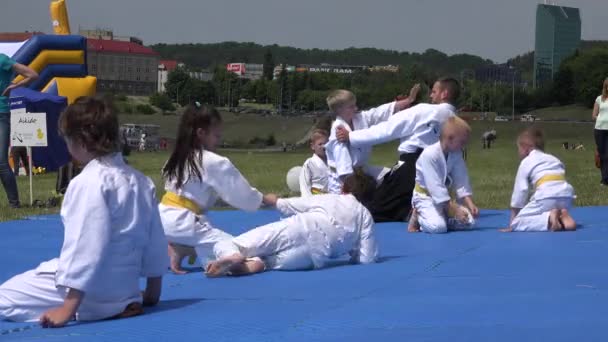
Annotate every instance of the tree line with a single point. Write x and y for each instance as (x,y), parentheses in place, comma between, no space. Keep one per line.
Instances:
(578,79)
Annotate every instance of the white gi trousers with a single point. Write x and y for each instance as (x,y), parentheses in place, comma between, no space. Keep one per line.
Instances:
(534,216)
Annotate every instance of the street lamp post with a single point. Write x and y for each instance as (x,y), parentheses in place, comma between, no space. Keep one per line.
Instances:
(513,95)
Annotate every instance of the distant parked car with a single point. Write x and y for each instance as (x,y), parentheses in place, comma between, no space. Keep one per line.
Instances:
(528,117)
(501,118)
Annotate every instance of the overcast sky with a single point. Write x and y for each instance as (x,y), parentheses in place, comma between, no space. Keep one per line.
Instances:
(495,29)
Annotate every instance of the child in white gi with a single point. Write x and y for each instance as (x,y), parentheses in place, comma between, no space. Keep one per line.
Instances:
(439,168)
(416,127)
(342,159)
(313,178)
(113,235)
(194,178)
(548,206)
(314,233)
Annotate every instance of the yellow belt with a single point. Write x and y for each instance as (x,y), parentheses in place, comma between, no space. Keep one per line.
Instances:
(451,206)
(317,191)
(549,178)
(172,199)
(419,189)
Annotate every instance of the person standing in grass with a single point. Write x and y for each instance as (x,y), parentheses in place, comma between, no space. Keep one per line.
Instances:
(600,115)
(9,67)
(195,176)
(548,207)
(113,234)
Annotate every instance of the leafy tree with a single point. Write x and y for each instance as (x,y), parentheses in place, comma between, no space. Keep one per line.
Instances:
(177,80)
(162,101)
(563,86)
(268,69)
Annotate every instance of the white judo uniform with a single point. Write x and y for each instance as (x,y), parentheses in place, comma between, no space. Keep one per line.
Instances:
(315,232)
(313,178)
(435,175)
(113,236)
(416,127)
(342,158)
(546,174)
(220,178)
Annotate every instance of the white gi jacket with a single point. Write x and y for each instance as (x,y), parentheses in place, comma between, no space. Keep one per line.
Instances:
(313,175)
(315,232)
(552,194)
(416,127)
(531,169)
(342,157)
(220,178)
(436,174)
(113,236)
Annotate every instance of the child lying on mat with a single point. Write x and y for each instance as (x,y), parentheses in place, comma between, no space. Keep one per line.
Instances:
(113,234)
(318,230)
(548,207)
(439,168)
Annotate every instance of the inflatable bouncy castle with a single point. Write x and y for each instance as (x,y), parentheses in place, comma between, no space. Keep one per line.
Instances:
(60,60)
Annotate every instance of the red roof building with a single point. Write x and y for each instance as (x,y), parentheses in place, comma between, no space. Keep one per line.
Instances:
(117,46)
(123,66)
(17,36)
(168,64)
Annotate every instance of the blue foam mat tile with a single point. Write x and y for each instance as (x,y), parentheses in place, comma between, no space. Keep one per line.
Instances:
(480,285)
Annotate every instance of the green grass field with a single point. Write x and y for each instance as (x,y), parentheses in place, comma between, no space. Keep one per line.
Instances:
(491,171)
(239,129)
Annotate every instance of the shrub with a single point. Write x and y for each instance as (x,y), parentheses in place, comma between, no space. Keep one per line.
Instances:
(145,109)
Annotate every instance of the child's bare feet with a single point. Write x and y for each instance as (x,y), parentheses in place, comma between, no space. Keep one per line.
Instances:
(567,221)
(413,225)
(554,224)
(505,230)
(177,253)
(221,267)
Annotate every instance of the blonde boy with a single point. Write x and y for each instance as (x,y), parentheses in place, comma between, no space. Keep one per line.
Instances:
(342,159)
(548,207)
(313,178)
(439,168)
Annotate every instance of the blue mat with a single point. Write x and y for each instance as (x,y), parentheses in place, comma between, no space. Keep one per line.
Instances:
(467,286)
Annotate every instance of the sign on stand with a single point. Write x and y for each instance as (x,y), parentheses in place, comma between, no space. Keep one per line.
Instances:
(27,129)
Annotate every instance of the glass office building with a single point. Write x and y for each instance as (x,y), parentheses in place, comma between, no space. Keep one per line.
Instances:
(558,34)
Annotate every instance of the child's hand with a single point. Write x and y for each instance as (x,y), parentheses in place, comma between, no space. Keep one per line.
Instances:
(461,215)
(151,295)
(506,230)
(270,199)
(473,209)
(342,134)
(56,318)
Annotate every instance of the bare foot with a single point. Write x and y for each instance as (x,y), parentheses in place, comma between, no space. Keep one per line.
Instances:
(413,225)
(221,267)
(505,230)
(250,266)
(177,253)
(567,221)
(554,224)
